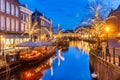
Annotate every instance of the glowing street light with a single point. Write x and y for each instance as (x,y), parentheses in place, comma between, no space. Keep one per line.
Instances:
(107,29)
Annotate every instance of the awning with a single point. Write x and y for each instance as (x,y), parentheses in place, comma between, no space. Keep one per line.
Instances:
(15,36)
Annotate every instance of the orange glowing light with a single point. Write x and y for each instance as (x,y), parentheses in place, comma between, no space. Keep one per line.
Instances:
(28,74)
(107,29)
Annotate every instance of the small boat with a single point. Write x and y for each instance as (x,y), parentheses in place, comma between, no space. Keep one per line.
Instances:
(63,42)
(37,55)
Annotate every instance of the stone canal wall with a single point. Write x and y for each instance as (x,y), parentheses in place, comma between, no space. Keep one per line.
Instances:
(104,69)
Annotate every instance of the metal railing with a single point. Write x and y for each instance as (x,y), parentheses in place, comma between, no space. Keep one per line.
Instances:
(113,55)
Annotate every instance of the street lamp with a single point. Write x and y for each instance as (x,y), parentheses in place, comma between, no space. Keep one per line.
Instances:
(107,49)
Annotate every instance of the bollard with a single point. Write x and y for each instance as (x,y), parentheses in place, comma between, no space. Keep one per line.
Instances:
(103,55)
(106,57)
(109,58)
(119,61)
(113,55)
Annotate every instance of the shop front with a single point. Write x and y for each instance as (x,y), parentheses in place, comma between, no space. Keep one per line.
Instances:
(9,42)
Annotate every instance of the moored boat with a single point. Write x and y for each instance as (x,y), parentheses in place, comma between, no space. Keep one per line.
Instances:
(36,55)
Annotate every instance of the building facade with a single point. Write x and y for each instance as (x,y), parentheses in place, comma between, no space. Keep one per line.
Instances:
(114,23)
(14,21)
(9,23)
(25,16)
(44,24)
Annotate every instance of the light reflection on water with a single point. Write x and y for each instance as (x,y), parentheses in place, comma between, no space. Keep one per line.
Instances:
(70,65)
(74,67)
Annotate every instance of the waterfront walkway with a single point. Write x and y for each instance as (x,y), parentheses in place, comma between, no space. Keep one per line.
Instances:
(114,52)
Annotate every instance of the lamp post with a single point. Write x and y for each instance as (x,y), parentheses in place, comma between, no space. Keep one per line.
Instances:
(107,46)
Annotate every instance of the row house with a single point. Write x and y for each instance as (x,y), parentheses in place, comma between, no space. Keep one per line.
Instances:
(14,20)
(44,24)
(9,23)
(114,23)
(25,17)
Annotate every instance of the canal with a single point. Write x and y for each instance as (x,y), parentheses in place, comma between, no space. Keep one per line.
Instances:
(70,64)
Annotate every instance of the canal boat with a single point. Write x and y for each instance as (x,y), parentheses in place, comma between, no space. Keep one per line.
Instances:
(63,43)
(36,55)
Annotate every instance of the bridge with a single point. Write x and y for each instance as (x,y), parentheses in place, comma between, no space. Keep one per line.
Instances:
(59,35)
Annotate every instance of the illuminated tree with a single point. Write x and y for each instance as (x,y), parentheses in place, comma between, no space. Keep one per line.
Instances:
(31,31)
(97,23)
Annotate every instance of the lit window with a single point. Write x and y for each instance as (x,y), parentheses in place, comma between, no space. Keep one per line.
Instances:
(12,9)
(13,25)
(17,12)
(8,7)
(17,25)
(22,27)
(22,16)
(2,22)
(8,24)
(2,5)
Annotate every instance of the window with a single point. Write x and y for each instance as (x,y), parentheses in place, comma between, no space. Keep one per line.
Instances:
(2,5)
(17,25)
(12,9)
(26,28)
(12,25)
(2,22)
(22,16)
(22,27)
(8,24)
(8,7)
(17,13)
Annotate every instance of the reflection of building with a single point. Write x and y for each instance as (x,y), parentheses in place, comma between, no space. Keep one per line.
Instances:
(43,22)
(25,16)
(114,23)
(9,23)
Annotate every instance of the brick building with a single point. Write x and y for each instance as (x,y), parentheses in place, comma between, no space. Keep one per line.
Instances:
(9,23)
(114,23)
(25,16)
(43,22)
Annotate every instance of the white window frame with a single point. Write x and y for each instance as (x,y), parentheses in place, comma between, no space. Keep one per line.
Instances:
(8,24)
(22,27)
(2,22)
(13,25)
(7,7)
(17,25)
(2,5)
(17,12)
(12,9)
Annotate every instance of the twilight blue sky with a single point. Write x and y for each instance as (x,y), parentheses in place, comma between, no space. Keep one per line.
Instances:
(68,13)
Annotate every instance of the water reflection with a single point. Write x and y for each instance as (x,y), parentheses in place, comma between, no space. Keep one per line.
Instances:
(69,65)
(81,45)
(74,67)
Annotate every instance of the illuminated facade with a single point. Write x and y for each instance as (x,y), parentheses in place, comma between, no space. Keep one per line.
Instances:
(43,22)
(114,23)
(12,24)
(25,16)
(9,23)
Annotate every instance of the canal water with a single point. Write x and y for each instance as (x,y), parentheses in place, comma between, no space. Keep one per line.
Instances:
(70,64)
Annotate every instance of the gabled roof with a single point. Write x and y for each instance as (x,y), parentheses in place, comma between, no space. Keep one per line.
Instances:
(17,1)
(37,13)
(113,11)
(118,8)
